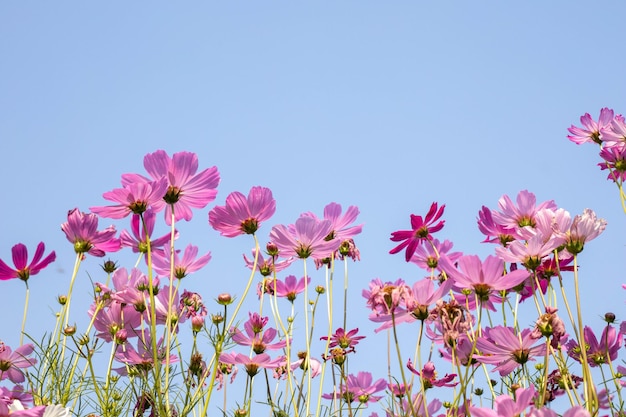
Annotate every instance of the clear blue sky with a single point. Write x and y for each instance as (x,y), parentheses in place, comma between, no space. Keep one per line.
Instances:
(384,105)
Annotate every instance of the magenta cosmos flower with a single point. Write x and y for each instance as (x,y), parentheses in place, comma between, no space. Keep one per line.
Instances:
(591,131)
(81,229)
(345,340)
(599,352)
(135,197)
(290,287)
(359,388)
(182,267)
(12,362)
(186,188)
(421,230)
(307,238)
(485,278)
(23,270)
(241,214)
(506,348)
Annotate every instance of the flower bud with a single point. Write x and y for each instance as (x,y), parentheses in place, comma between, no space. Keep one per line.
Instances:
(69,330)
(197,323)
(271,249)
(320,289)
(109,266)
(224,299)
(609,318)
(62,299)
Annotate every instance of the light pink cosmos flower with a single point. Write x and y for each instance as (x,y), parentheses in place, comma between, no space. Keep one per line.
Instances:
(241,214)
(427,256)
(385,297)
(591,131)
(253,364)
(506,348)
(306,238)
(416,304)
(316,366)
(260,342)
(142,358)
(135,197)
(141,231)
(186,188)
(507,406)
(81,230)
(23,270)
(114,318)
(13,361)
(530,253)
(421,230)
(522,213)
(267,266)
(485,278)
(576,411)
(341,228)
(182,267)
(583,228)
(359,388)
(290,287)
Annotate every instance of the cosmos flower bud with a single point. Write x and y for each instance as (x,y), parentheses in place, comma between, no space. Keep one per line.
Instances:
(224,299)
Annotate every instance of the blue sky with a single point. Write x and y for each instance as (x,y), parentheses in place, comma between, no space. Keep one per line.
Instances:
(387,106)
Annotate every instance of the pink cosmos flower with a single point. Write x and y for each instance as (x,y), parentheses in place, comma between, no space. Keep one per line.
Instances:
(485,278)
(20,260)
(416,304)
(615,161)
(599,352)
(267,266)
(341,228)
(307,238)
(141,231)
(290,287)
(616,133)
(259,339)
(504,347)
(81,230)
(345,340)
(316,366)
(135,197)
(182,267)
(576,411)
(10,406)
(12,362)
(515,216)
(427,256)
(186,189)
(429,376)
(591,131)
(383,298)
(507,406)
(142,359)
(530,253)
(253,364)
(114,318)
(420,407)
(583,228)
(359,388)
(243,215)
(494,232)
(421,230)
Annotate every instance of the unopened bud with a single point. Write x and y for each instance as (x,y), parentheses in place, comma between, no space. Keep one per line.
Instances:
(271,249)
(224,299)
(62,299)
(109,266)
(69,330)
(609,318)
(320,289)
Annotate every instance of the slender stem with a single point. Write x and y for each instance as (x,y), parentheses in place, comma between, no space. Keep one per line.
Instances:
(25,313)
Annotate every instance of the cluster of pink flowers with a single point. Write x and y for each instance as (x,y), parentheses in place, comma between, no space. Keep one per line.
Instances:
(141,314)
